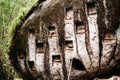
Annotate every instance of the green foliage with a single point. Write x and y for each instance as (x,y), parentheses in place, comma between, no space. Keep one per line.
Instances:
(11,13)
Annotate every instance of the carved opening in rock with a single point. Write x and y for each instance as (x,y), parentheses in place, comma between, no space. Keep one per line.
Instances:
(52,31)
(56,61)
(68,45)
(31,33)
(77,64)
(91,8)
(32,67)
(69,8)
(77,16)
(39,47)
(42,0)
(57,76)
(80,28)
(69,13)
(21,55)
(109,37)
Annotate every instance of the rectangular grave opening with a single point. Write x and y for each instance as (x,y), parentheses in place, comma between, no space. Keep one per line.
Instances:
(52,31)
(31,32)
(32,66)
(77,16)
(91,8)
(42,0)
(110,37)
(21,55)
(69,13)
(68,45)
(39,47)
(80,28)
(77,65)
(69,8)
(57,76)
(56,60)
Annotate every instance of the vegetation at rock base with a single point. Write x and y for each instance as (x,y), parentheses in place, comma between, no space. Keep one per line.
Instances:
(11,12)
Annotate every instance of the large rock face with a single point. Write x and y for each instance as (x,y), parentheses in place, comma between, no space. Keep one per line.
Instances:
(68,40)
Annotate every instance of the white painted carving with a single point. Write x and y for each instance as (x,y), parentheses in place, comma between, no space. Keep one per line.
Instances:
(39,62)
(55,64)
(31,44)
(94,38)
(82,50)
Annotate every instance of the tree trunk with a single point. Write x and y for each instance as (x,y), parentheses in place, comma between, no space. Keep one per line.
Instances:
(68,40)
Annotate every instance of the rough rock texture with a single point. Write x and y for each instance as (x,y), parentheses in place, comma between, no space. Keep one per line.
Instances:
(3,74)
(68,40)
